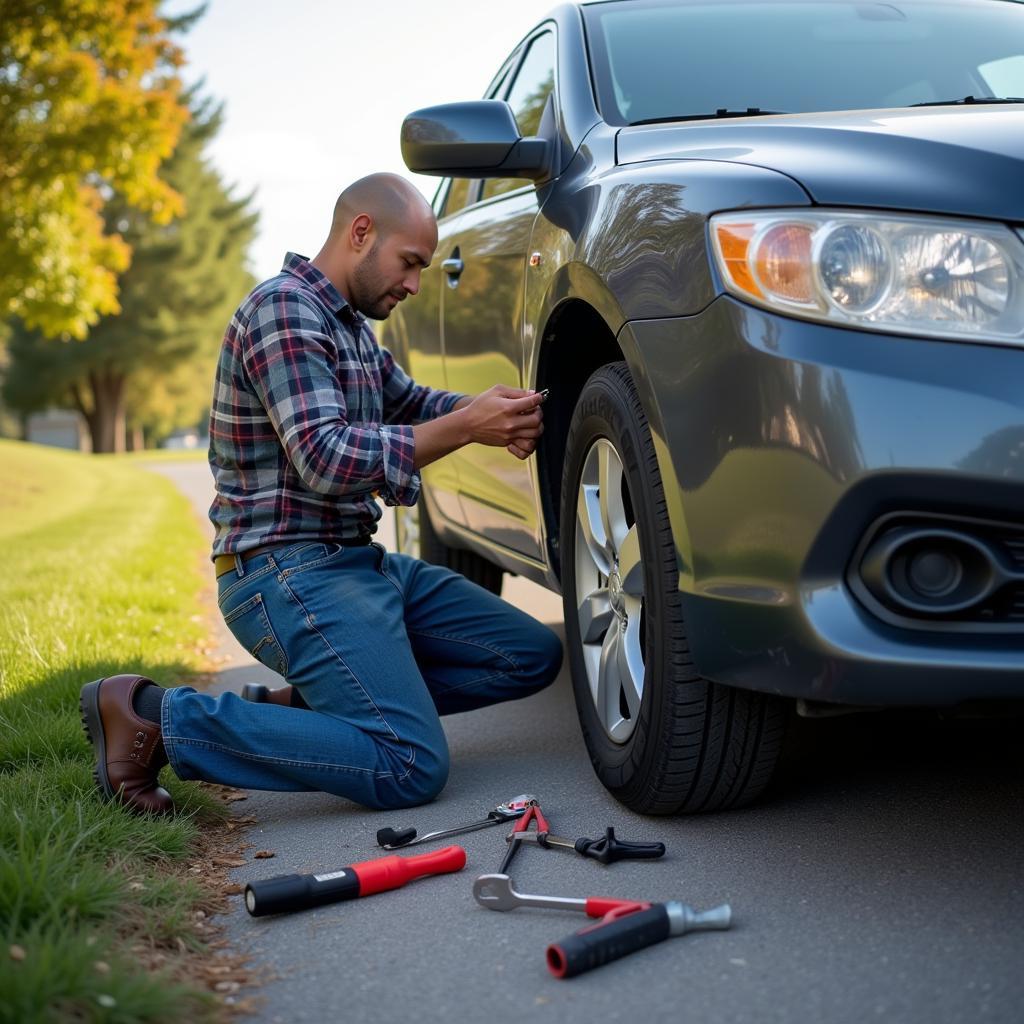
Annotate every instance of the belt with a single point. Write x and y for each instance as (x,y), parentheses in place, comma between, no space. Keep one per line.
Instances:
(226,563)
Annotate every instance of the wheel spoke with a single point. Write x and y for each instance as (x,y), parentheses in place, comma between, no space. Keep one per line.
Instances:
(609,484)
(631,666)
(591,528)
(631,570)
(595,613)
(608,682)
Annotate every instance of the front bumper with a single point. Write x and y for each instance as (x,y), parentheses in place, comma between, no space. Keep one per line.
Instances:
(780,443)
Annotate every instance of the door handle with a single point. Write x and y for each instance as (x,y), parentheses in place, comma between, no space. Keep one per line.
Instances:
(452,266)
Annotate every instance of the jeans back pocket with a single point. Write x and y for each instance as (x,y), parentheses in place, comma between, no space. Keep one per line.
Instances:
(250,626)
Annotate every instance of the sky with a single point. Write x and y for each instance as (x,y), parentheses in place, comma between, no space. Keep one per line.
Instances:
(315,91)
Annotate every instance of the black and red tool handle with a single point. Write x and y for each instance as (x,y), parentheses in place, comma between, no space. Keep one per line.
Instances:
(286,893)
(593,947)
(626,930)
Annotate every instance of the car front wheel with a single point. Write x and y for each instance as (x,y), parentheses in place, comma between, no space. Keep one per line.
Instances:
(661,738)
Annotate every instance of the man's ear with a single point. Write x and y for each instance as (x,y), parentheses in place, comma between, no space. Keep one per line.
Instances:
(361,231)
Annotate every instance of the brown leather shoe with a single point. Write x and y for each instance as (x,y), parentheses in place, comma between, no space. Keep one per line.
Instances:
(286,696)
(129,750)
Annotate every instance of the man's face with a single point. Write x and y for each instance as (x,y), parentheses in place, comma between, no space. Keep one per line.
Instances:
(390,271)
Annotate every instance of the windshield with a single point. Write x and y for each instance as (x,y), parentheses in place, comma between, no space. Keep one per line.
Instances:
(667,59)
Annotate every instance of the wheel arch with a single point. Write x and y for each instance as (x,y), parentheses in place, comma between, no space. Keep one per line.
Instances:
(580,336)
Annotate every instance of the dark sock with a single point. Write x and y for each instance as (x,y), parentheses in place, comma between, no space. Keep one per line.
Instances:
(148,701)
(297,701)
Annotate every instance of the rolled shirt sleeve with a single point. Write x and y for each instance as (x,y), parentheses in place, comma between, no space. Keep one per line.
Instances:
(289,358)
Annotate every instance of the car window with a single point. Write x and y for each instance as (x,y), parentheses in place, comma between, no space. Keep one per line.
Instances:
(458,195)
(662,59)
(533,84)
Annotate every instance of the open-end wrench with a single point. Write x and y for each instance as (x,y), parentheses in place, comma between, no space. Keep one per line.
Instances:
(395,839)
(495,892)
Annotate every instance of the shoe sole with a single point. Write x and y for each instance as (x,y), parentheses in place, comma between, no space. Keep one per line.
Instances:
(89,709)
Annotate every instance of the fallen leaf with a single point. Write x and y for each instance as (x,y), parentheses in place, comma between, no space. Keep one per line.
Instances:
(233,889)
(263,854)
(227,986)
(18,953)
(230,862)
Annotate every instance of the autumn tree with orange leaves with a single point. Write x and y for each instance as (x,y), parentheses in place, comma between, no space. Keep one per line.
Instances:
(90,105)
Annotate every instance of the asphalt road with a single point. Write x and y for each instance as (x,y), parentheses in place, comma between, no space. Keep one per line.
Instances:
(880,880)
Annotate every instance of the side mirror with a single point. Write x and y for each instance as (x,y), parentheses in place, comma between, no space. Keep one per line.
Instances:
(475,139)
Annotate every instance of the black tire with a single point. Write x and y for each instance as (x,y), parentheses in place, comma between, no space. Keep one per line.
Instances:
(415,535)
(695,745)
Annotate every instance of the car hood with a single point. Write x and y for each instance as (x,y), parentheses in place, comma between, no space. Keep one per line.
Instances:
(967,161)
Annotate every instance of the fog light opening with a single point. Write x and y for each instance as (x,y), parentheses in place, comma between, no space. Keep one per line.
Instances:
(934,573)
(929,572)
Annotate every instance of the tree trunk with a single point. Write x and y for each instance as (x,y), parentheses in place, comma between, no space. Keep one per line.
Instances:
(106,420)
(135,440)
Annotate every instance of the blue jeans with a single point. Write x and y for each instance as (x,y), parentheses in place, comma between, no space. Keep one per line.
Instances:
(379,645)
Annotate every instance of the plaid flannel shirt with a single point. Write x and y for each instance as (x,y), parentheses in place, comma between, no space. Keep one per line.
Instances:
(310,419)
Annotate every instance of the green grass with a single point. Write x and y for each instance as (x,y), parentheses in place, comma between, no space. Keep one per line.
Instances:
(101,575)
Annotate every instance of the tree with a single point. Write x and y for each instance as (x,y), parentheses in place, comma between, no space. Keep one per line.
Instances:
(90,105)
(154,361)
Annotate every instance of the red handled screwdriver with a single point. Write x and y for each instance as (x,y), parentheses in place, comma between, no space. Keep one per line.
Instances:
(299,892)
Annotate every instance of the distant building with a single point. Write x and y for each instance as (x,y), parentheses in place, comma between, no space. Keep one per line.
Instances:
(59,428)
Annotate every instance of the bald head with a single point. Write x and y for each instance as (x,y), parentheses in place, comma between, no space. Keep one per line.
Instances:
(383,234)
(387,199)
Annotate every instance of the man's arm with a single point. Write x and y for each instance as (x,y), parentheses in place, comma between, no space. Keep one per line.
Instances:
(500,416)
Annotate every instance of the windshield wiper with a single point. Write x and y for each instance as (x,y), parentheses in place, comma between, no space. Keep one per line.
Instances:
(970,100)
(721,112)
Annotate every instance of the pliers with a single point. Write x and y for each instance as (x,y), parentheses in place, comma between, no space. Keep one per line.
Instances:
(519,832)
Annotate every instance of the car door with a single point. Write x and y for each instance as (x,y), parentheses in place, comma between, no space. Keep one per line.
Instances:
(484,257)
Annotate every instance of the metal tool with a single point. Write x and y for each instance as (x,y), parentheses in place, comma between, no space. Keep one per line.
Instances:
(298,892)
(607,850)
(625,927)
(495,892)
(395,839)
(626,931)
(531,814)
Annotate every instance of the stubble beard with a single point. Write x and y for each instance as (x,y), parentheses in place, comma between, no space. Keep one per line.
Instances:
(369,296)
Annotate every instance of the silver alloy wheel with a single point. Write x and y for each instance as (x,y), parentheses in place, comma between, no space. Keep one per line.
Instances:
(610,592)
(407,530)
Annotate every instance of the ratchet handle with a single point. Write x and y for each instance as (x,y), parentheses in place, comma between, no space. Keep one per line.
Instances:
(609,849)
(599,945)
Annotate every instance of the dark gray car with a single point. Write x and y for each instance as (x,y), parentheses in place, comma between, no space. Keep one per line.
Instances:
(769,260)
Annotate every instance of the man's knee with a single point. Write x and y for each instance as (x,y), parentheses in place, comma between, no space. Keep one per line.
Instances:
(542,661)
(418,782)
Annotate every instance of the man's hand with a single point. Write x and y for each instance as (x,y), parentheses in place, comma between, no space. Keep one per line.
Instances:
(522,447)
(506,417)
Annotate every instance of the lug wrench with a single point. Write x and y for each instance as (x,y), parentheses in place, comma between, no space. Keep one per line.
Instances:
(396,839)
(626,926)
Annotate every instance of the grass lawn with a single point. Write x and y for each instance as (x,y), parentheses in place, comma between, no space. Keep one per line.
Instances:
(101,574)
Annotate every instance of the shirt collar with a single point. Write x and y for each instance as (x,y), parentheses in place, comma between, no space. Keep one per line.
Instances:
(300,267)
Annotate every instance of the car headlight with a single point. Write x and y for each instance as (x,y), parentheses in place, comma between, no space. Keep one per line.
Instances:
(929,276)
